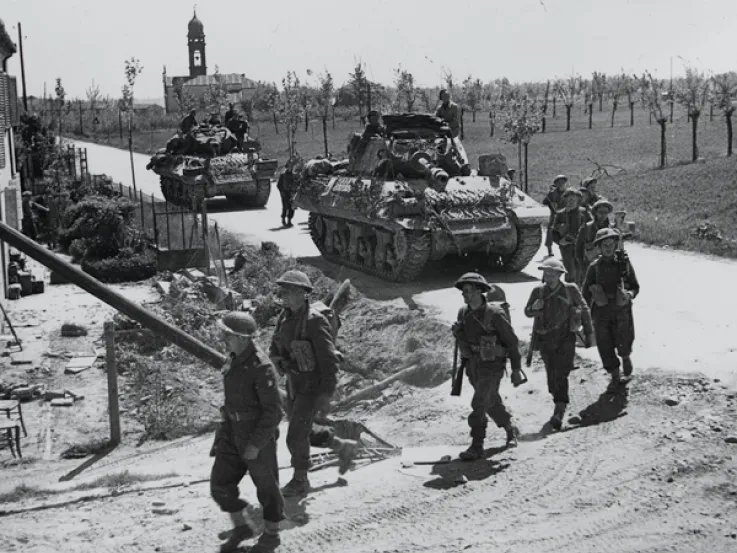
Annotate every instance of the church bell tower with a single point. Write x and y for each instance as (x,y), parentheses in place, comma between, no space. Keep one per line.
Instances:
(196,44)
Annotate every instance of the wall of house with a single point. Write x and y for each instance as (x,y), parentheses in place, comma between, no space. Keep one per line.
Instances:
(10,194)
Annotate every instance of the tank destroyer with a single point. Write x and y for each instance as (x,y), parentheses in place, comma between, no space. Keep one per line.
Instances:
(210,161)
(404,199)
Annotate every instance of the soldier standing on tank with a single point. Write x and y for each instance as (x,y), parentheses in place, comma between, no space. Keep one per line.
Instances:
(448,112)
(303,348)
(609,287)
(374,128)
(246,440)
(586,250)
(286,187)
(554,201)
(485,339)
(559,309)
(189,122)
(568,221)
(230,113)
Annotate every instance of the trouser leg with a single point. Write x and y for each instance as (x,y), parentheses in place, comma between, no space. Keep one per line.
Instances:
(568,257)
(227,472)
(558,359)
(300,427)
(264,472)
(605,338)
(624,331)
(486,400)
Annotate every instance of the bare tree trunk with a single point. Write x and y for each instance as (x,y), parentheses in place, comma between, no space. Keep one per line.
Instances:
(463,111)
(662,142)
(632,114)
(711,113)
(591,115)
(554,100)
(333,117)
(601,102)
(544,122)
(728,117)
(694,129)
(307,122)
(325,133)
(614,110)
(526,180)
(651,117)
(491,124)
(519,156)
(568,117)
(671,111)
(276,122)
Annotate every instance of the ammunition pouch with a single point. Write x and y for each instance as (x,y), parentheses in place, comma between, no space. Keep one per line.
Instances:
(623,298)
(598,294)
(303,355)
(490,349)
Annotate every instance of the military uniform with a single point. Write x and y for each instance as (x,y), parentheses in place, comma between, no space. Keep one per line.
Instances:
(566,225)
(563,311)
(286,187)
(252,413)
(188,123)
(485,375)
(450,114)
(611,309)
(553,199)
(306,387)
(373,129)
(586,251)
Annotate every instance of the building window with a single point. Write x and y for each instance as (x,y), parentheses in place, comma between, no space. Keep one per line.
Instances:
(197,58)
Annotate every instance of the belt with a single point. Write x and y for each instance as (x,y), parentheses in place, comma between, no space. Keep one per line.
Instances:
(240,416)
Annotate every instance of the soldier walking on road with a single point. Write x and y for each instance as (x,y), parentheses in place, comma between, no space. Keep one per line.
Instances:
(554,201)
(609,287)
(559,310)
(303,348)
(567,223)
(286,187)
(485,339)
(246,440)
(586,250)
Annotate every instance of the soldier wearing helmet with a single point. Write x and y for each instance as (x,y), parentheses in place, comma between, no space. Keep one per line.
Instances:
(586,251)
(303,348)
(554,201)
(568,221)
(485,339)
(589,184)
(246,439)
(373,128)
(609,287)
(287,187)
(559,310)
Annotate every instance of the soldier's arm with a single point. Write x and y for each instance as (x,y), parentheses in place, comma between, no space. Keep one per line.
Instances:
(508,339)
(630,280)
(460,334)
(557,220)
(588,280)
(535,295)
(588,327)
(267,391)
(320,335)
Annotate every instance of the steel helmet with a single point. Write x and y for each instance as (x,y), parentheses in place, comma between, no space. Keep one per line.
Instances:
(572,192)
(560,177)
(588,181)
(295,278)
(602,203)
(496,294)
(552,264)
(238,323)
(605,234)
(473,278)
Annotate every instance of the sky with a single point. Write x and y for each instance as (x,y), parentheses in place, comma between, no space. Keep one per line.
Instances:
(86,41)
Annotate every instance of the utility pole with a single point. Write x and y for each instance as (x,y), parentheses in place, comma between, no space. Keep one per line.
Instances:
(23,67)
(670,90)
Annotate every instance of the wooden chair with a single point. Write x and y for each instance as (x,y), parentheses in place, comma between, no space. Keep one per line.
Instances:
(10,431)
(9,405)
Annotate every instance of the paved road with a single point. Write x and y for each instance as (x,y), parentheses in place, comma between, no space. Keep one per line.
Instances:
(685,317)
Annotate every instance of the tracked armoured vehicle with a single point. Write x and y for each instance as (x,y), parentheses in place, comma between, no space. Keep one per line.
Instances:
(208,162)
(402,200)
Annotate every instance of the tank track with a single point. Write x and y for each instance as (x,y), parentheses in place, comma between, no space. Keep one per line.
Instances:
(263,191)
(418,249)
(529,240)
(170,189)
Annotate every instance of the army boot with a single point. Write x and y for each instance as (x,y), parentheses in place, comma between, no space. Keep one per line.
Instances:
(615,382)
(474,452)
(627,366)
(346,450)
(269,540)
(242,530)
(556,421)
(298,485)
(283,222)
(512,435)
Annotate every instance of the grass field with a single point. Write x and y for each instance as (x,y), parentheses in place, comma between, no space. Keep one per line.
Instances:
(667,205)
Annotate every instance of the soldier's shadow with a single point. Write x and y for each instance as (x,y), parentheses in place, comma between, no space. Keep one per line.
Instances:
(608,407)
(458,472)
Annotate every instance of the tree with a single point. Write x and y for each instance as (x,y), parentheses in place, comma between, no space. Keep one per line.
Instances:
(133,68)
(629,87)
(216,95)
(93,95)
(598,80)
(492,95)
(545,104)
(522,119)
(653,94)
(473,91)
(325,99)
(588,98)
(266,100)
(357,80)
(567,89)
(725,92)
(290,107)
(616,89)
(692,93)
(406,90)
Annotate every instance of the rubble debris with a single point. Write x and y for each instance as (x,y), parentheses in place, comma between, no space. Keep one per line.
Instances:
(671,402)
(73,330)
(731,440)
(78,364)
(62,402)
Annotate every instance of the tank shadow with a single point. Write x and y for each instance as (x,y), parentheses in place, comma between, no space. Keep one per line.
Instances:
(437,275)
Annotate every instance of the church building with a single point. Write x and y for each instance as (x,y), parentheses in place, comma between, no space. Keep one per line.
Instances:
(198,82)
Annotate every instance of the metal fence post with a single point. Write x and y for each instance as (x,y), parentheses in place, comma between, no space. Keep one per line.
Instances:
(156,230)
(112,383)
(140,200)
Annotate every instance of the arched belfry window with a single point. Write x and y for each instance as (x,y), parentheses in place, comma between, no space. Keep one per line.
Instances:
(197,57)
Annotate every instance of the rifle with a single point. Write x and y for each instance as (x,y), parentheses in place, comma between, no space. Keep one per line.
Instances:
(457,380)
(533,343)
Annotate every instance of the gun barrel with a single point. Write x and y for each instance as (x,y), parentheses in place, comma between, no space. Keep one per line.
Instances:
(422,163)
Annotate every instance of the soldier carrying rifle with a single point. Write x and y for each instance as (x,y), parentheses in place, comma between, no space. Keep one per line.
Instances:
(609,287)
(485,339)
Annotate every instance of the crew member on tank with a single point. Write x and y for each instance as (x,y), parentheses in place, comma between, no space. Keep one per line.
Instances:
(189,122)
(448,112)
(374,128)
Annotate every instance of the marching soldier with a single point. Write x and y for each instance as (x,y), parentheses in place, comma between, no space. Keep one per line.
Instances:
(586,250)
(559,310)
(303,348)
(609,287)
(485,339)
(246,440)
(554,202)
(586,202)
(286,187)
(590,185)
(567,223)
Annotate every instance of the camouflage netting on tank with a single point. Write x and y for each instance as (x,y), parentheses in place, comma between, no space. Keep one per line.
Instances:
(228,165)
(461,199)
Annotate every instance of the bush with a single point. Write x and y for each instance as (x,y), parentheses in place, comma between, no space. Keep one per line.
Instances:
(77,249)
(103,222)
(125,267)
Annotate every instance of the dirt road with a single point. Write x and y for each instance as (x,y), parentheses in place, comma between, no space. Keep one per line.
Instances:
(685,317)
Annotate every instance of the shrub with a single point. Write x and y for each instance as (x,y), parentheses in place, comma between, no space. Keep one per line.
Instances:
(77,249)
(103,222)
(125,267)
